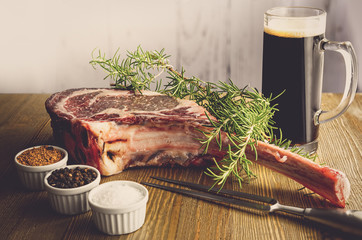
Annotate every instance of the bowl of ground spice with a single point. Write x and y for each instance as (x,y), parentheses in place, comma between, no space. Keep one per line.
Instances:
(34,163)
(68,188)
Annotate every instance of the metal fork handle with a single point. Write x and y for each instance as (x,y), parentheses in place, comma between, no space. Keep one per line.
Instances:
(349,221)
(288,209)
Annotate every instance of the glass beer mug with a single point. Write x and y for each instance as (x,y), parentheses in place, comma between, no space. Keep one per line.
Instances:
(293,59)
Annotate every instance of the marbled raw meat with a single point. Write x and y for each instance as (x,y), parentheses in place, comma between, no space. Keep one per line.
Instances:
(113,130)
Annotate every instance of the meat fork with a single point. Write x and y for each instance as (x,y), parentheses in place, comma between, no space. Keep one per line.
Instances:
(346,220)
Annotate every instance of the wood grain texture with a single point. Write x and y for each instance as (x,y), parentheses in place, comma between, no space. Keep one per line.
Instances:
(28,215)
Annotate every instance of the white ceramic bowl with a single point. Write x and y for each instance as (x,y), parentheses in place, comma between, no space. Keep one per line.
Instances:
(32,177)
(123,219)
(71,201)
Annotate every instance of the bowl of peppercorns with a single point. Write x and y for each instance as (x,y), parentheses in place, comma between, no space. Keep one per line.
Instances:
(34,163)
(68,188)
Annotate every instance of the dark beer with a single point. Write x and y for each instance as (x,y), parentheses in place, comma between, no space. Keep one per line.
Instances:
(294,64)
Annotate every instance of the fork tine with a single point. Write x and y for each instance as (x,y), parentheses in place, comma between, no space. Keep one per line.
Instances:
(218,190)
(212,197)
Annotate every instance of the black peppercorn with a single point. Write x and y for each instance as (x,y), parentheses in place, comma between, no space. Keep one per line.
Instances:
(71,178)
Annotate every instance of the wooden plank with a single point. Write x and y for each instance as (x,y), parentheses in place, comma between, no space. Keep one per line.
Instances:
(341,146)
(28,215)
(24,123)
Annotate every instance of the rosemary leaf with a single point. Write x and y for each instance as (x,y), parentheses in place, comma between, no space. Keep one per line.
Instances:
(245,116)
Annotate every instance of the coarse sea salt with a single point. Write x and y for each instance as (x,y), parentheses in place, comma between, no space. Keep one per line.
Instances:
(116,196)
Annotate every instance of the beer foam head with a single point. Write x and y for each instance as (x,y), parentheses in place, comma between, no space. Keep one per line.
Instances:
(295,22)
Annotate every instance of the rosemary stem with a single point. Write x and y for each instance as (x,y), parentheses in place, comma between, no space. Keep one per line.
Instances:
(245,116)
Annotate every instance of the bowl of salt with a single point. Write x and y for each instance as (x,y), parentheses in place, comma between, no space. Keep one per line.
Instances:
(118,207)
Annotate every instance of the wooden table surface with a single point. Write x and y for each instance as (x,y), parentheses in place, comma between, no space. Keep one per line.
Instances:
(28,215)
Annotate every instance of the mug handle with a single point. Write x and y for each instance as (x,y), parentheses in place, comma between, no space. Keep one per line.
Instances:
(350,59)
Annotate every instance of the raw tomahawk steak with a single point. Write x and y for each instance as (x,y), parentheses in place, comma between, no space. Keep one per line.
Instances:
(113,130)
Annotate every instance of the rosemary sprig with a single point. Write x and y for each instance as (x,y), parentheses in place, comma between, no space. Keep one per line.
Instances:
(244,115)
(134,72)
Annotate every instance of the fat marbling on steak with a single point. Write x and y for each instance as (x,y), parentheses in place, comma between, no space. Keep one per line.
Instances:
(115,129)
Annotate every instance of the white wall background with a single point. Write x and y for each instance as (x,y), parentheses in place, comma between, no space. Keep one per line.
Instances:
(45,45)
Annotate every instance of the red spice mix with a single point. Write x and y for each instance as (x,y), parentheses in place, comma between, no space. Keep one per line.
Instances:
(40,156)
